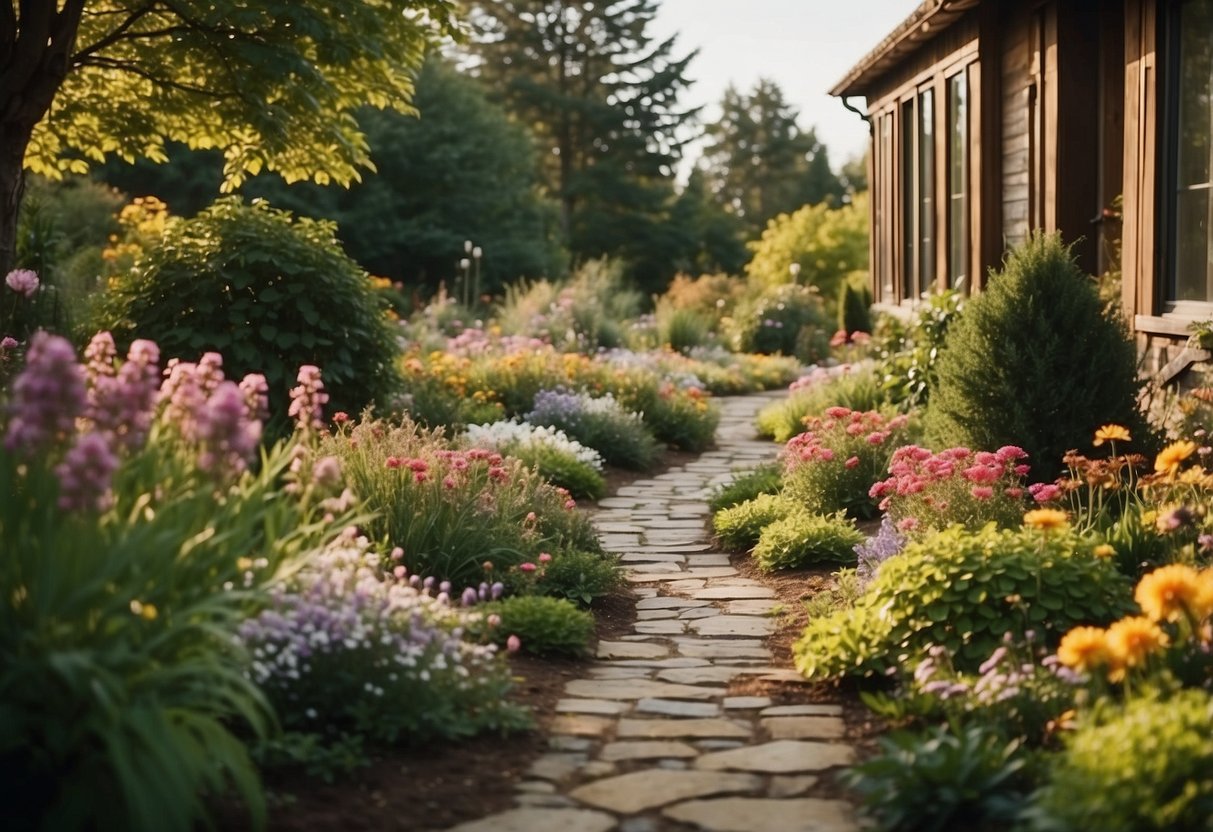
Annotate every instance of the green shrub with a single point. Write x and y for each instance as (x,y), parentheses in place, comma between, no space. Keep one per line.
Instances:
(803,539)
(764,479)
(854,303)
(581,576)
(561,468)
(813,394)
(834,463)
(966,779)
(788,319)
(1035,362)
(683,419)
(619,435)
(1146,766)
(908,354)
(544,625)
(966,591)
(682,329)
(738,527)
(267,292)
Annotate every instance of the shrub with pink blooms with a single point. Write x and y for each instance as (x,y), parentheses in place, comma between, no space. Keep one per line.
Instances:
(138,526)
(833,464)
(926,490)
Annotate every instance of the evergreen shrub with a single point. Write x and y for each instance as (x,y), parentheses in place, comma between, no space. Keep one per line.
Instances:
(1034,362)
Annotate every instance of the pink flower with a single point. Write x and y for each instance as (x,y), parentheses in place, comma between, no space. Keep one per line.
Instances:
(420,476)
(9,343)
(85,473)
(394,462)
(1043,492)
(981,474)
(544,557)
(527,567)
(907,524)
(982,492)
(1014,492)
(570,504)
(448,483)
(877,437)
(494,620)
(838,338)
(23,282)
(399,571)
(852,462)
(327,471)
(308,399)
(530,517)
(397,553)
(47,395)
(513,644)
(837,412)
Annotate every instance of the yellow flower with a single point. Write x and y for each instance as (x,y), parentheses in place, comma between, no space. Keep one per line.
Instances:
(1111,433)
(147,612)
(1167,592)
(1104,550)
(1169,459)
(1204,601)
(1131,641)
(1084,648)
(1046,518)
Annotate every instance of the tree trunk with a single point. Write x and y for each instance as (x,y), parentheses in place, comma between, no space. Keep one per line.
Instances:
(12,187)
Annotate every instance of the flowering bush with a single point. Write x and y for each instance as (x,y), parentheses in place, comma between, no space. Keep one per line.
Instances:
(812,394)
(833,464)
(451,510)
(788,319)
(930,491)
(349,655)
(541,625)
(601,423)
(136,532)
(509,436)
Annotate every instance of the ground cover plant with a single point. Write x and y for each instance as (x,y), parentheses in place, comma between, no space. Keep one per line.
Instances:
(561,461)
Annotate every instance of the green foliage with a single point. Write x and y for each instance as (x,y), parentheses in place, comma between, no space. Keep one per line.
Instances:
(824,246)
(760,163)
(546,626)
(581,577)
(682,419)
(965,591)
(708,294)
(561,468)
(854,306)
(908,354)
(739,526)
(1145,766)
(764,479)
(787,319)
(841,595)
(813,395)
(682,329)
(1019,366)
(268,293)
(137,79)
(804,539)
(970,778)
(451,511)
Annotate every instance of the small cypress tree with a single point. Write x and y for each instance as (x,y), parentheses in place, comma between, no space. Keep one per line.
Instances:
(854,307)
(1035,362)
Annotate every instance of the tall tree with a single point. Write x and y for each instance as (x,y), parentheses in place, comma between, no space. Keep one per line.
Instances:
(602,96)
(760,163)
(273,83)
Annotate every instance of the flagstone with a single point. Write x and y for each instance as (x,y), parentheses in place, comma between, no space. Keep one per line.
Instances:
(631,650)
(746,703)
(581,726)
(638,689)
(733,593)
(804,727)
(752,606)
(798,710)
(538,819)
(674,707)
(590,706)
(699,675)
(680,728)
(656,615)
(646,749)
(643,790)
(662,602)
(780,757)
(737,814)
(660,628)
(734,625)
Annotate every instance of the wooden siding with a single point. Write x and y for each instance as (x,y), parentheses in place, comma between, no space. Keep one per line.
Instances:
(1140,155)
(1018,99)
(926,60)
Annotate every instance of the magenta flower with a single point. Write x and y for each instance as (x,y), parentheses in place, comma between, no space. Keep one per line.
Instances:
(513,644)
(23,282)
(85,474)
(1043,492)
(308,399)
(47,395)
(527,567)
(9,343)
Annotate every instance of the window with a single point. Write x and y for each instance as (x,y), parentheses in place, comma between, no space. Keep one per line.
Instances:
(958,179)
(1190,152)
(918,194)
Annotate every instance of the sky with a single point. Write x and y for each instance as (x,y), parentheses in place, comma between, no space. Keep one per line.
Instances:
(805,46)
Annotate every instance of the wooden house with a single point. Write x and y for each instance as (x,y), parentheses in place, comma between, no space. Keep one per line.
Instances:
(1091,117)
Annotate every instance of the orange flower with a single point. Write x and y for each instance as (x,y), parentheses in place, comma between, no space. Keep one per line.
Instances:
(1166,593)
(1046,518)
(1169,459)
(1111,433)
(1084,648)
(1104,550)
(1131,641)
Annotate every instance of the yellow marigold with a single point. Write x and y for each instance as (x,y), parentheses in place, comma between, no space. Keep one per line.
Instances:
(1169,459)
(1104,550)
(1196,476)
(1111,433)
(1084,648)
(1046,518)
(1131,640)
(1204,600)
(1167,592)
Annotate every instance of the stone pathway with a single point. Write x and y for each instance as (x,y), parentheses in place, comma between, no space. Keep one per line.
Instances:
(651,741)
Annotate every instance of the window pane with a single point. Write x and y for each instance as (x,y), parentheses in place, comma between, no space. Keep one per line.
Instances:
(926,191)
(1192,146)
(909,234)
(958,165)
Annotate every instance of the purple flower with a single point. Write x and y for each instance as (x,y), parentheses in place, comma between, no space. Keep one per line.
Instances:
(23,282)
(46,396)
(327,471)
(308,399)
(228,438)
(874,551)
(256,396)
(121,404)
(84,474)
(9,343)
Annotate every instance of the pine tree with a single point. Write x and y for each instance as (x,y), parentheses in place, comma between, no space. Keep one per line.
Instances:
(760,163)
(602,97)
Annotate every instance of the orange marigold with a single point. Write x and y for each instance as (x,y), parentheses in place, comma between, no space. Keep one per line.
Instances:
(1084,648)
(1046,518)
(1132,640)
(1168,592)
(1171,457)
(1111,433)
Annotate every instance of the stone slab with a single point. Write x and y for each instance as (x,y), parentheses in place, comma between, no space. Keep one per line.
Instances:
(538,819)
(739,814)
(675,707)
(668,602)
(660,628)
(804,727)
(699,675)
(646,750)
(657,615)
(556,766)
(699,612)
(631,650)
(791,785)
(601,707)
(658,729)
(746,703)
(798,710)
(779,757)
(640,791)
(751,606)
(732,593)
(580,725)
(627,689)
(745,626)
